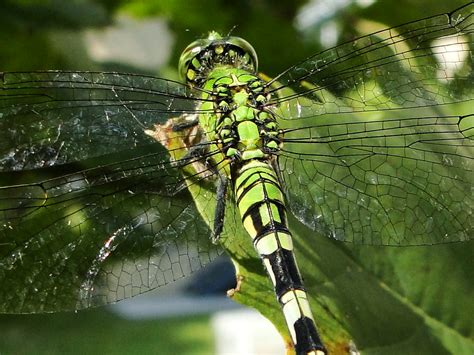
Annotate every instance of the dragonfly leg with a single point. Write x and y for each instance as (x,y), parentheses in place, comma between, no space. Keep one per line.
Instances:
(186,122)
(220,208)
(195,153)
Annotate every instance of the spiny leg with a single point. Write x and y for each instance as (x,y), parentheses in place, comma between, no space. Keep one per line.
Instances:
(194,153)
(201,150)
(220,208)
(185,122)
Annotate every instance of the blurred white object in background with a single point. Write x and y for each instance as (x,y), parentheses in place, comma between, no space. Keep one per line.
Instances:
(141,43)
(245,332)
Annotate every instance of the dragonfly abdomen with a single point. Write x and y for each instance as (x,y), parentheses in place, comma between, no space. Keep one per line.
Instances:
(262,209)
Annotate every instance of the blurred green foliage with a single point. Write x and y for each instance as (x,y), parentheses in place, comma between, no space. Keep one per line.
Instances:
(26,27)
(100,332)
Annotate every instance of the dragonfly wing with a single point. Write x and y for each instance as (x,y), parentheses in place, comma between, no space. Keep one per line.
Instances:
(398,67)
(55,117)
(379,135)
(90,221)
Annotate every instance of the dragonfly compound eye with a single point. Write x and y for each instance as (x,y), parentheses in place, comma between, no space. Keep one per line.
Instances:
(206,54)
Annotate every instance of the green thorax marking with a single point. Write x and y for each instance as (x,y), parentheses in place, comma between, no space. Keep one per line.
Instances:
(234,115)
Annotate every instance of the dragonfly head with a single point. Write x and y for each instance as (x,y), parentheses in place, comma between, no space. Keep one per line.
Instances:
(204,54)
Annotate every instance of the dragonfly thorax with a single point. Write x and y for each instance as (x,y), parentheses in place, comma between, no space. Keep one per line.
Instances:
(238,120)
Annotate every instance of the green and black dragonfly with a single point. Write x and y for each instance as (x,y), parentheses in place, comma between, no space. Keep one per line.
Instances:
(115,184)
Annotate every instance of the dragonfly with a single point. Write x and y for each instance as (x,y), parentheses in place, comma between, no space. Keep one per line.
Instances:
(114,184)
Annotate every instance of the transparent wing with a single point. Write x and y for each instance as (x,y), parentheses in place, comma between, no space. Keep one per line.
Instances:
(55,117)
(398,67)
(378,135)
(91,208)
